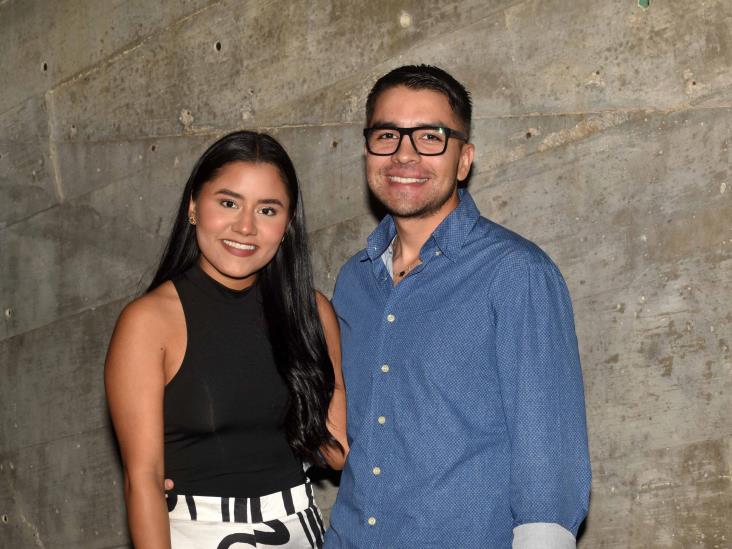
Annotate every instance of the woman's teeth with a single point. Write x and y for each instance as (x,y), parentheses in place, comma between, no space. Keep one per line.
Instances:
(239,246)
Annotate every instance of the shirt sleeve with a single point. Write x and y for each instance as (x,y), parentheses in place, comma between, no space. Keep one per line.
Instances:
(542,535)
(542,395)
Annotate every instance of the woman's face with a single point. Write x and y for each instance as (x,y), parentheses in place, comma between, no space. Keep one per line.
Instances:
(241,217)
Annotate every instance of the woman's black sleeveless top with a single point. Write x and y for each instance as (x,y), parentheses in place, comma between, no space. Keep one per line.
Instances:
(224,409)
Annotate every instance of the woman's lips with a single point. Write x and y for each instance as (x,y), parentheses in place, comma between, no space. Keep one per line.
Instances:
(239,248)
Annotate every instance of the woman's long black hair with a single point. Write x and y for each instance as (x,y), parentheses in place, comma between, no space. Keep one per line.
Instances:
(286,285)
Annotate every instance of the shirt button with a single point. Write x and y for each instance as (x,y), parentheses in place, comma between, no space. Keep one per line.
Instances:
(372,521)
(390,317)
(438,252)
(376,471)
(381,420)
(385,368)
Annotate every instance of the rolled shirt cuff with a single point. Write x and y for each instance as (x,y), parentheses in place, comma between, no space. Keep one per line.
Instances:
(542,535)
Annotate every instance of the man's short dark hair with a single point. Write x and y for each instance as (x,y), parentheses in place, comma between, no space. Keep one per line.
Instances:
(425,77)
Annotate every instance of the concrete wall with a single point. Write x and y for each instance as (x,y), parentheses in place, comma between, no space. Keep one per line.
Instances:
(603,133)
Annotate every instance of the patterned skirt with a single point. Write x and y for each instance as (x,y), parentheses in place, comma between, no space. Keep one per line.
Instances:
(288,519)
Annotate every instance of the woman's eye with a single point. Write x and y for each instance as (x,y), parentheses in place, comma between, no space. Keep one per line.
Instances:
(228,204)
(268,211)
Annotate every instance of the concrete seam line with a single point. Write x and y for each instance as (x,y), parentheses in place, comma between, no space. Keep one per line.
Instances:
(52,150)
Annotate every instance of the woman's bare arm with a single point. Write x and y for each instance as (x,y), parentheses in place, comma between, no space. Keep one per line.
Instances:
(334,456)
(134,378)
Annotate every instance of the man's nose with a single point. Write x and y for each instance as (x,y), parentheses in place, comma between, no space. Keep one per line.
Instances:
(405,152)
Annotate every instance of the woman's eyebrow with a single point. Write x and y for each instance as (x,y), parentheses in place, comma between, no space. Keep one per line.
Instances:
(275,201)
(227,192)
(233,194)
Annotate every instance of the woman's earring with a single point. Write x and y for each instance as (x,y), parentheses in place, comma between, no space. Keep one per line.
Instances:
(192,219)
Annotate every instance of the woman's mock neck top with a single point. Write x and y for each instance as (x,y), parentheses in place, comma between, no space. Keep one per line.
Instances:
(224,409)
(214,289)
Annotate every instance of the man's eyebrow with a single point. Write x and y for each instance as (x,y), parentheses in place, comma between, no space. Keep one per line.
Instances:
(389,124)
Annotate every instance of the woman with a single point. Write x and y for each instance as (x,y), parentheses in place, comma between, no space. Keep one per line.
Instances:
(225,375)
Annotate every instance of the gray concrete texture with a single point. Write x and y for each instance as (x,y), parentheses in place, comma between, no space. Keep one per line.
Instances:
(603,133)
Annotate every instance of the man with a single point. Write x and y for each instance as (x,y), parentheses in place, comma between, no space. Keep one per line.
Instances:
(466,418)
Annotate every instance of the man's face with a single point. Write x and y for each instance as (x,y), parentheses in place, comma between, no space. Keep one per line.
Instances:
(407,184)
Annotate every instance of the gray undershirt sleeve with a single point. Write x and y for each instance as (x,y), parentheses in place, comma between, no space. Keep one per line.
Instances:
(542,535)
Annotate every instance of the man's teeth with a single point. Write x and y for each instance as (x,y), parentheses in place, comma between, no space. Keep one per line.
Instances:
(395,179)
(238,245)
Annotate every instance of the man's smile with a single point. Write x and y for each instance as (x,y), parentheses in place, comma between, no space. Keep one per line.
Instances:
(406,180)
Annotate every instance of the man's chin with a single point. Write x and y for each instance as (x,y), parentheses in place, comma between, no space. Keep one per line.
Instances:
(412,210)
(402,205)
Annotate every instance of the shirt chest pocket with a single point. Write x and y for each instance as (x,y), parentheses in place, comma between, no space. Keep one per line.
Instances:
(454,334)
(453,352)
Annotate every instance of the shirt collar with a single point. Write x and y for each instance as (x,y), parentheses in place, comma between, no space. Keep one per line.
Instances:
(380,239)
(449,236)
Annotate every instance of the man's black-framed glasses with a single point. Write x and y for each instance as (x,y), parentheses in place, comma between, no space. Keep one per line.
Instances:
(426,140)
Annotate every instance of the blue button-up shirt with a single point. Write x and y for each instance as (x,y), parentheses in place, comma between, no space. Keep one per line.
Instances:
(465,400)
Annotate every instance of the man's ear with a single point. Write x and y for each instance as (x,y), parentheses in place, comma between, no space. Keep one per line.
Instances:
(466,160)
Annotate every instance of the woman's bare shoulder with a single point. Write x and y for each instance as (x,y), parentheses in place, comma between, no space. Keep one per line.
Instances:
(153,310)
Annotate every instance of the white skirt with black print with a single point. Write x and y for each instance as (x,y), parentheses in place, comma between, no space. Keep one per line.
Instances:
(288,519)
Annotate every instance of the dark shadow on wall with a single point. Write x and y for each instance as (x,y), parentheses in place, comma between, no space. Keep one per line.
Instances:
(583,526)
(110,429)
(581,530)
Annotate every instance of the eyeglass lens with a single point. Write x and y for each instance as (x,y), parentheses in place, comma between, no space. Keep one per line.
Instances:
(425,140)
